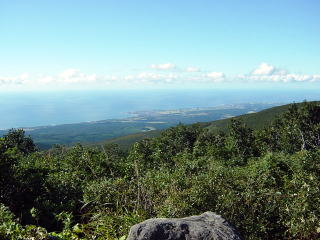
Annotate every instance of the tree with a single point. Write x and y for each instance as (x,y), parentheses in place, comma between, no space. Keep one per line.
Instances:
(295,130)
(242,139)
(16,138)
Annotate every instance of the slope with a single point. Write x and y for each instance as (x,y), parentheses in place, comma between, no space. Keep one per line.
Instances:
(256,121)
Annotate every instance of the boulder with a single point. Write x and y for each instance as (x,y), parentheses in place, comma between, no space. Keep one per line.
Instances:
(207,226)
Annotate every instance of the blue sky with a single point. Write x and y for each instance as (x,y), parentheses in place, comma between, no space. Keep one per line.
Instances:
(159,44)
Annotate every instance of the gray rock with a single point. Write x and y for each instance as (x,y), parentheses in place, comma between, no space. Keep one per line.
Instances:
(207,226)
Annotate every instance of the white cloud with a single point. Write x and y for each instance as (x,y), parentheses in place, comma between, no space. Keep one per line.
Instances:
(163,66)
(150,77)
(16,80)
(268,73)
(69,73)
(45,80)
(192,69)
(216,76)
(264,69)
(315,78)
(24,76)
(75,76)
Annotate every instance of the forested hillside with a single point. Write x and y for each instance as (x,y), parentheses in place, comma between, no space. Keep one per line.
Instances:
(265,181)
(256,121)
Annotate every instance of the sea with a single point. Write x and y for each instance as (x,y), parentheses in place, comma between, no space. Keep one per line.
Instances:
(44,108)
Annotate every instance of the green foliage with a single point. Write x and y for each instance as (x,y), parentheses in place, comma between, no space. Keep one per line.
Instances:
(297,129)
(265,181)
(16,138)
(7,221)
(257,121)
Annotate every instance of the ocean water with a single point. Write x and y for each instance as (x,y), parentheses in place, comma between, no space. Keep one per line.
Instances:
(30,109)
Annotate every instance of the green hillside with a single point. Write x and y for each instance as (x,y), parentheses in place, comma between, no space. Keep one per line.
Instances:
(256,121)
(125,142)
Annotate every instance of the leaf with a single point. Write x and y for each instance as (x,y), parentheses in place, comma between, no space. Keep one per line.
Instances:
(77,229)
(123,237)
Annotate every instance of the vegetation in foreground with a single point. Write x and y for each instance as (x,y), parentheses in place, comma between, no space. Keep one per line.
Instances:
(266,182)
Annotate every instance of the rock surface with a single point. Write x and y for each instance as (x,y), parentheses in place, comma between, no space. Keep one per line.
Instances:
(207,226)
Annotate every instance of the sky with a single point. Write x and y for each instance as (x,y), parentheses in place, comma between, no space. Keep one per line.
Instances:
(77,44)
